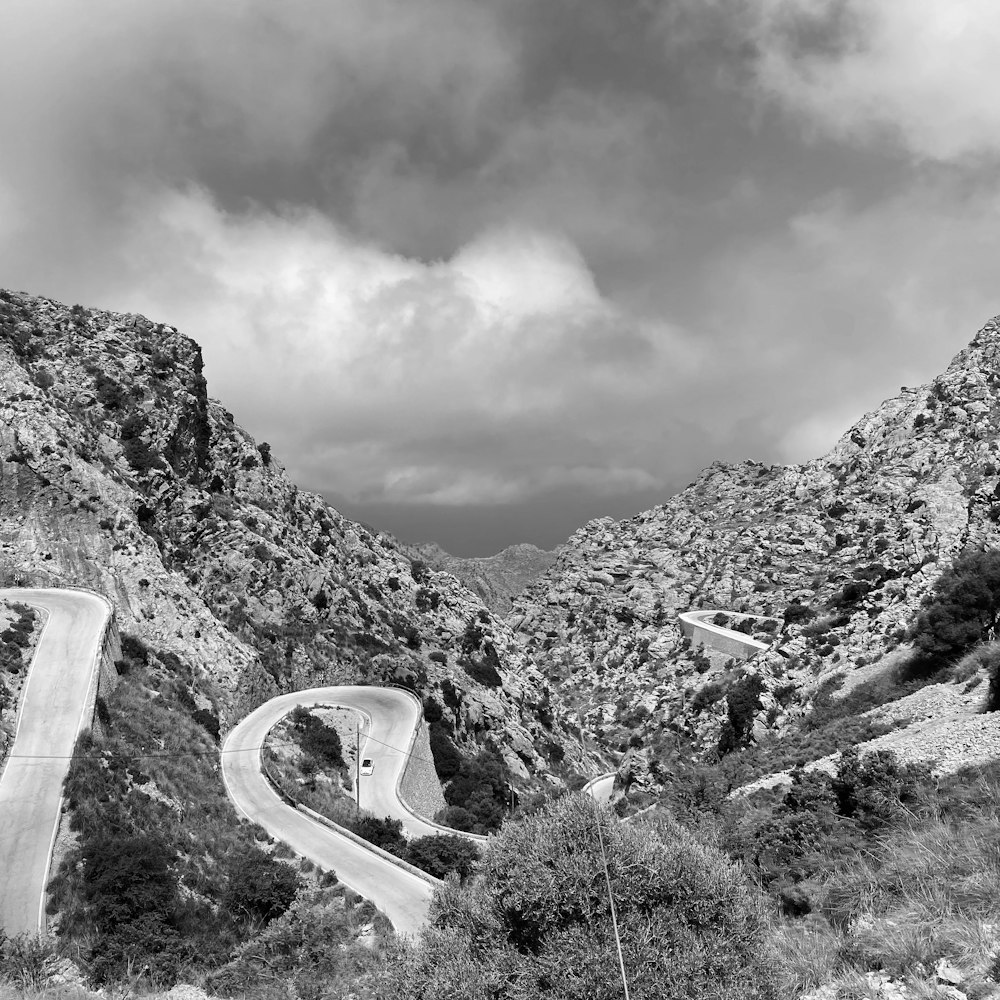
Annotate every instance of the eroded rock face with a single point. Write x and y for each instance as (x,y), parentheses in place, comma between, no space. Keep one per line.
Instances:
(858,535)
(119,473)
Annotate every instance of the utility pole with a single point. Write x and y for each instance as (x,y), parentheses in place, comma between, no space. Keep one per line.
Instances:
(357,768)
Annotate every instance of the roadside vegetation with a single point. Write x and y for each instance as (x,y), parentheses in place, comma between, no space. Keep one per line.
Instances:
(162,881)
(304,761)
(873,879)
(537,921)
(16,639)
(477,789)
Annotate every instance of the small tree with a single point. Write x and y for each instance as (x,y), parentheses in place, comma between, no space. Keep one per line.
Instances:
(258,887)
(442,854)
(962,609)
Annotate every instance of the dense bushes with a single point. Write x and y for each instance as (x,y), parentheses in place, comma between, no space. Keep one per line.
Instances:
(962,609)
(258,887)
(447,759)
(477,795)
(385,833)
(822,819)
(307,952)
(743,701)
(130,899)
(162,873)
(537,921)
(317,739)
(441,854)
(16,638)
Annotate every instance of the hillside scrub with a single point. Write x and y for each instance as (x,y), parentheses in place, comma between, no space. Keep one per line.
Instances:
(311,948)
(477,795)
(163,873)
(299,781)
(536,921)
(921,894)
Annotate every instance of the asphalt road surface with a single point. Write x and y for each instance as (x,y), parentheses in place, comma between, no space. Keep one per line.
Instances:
(601,787)
(392,715)
(51,717)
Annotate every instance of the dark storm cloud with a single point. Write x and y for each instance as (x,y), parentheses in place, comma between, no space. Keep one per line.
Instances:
(446,254)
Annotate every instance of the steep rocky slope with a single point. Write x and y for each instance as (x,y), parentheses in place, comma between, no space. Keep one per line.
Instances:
(119,473)
(856,537)
(497,579)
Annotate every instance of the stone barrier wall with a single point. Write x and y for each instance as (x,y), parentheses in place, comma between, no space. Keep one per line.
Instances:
(420,788)
(722,640)
(106,679)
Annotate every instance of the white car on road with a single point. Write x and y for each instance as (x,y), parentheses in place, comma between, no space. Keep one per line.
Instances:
(367,765)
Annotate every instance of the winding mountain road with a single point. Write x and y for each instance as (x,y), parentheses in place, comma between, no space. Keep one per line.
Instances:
(52,714)
(392,716)
(53,711)
(602,787)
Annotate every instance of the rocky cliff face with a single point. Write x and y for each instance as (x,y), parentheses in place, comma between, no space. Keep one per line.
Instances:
(119,473)
(857,536)
(496,579)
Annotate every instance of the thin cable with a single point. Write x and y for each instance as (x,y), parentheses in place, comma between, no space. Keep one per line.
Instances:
(187,753)
(614,912)
(135,756)
(607,877)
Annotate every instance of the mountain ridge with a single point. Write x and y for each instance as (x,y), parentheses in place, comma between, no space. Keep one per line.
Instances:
(119,472)
(858,536)
(498,578)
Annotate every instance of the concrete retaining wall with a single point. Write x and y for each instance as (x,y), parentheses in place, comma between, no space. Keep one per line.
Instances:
(703,633)
(420,788)
(106,674)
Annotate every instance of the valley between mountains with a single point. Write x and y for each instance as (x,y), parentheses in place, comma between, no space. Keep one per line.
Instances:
(729,655)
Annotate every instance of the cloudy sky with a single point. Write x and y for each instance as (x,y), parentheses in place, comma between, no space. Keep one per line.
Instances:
(480,270)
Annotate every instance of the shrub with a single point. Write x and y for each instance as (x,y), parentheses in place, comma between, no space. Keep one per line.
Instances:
(993,691)
(208,720)
(447,759)
(850,594)
(537,921)
(743,700)
(472,637)
(873,789)
(258,888)
(318,739)
(427,599)
(962,609)
(442,854)
(706,696)
(385,833)
(480,787)
(109,393)
(483,669)
(797,613)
